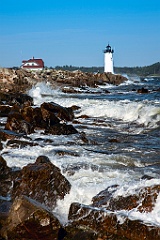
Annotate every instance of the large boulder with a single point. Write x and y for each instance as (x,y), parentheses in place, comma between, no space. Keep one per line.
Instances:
(61,112)
(61,129)
(104,218)
(41,181)
(143,199)
(29,220)
(105,223)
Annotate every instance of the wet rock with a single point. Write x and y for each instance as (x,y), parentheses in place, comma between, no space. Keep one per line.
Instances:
(74,233)
(11,98)
(61,112)
(5,206)
(5,178)
(70,90)
(29,220)
(16,143)
(41,181)
(113,140)
(65,152)
(22,98)
(142,90)
(17,123)
(144,199)
(38,120)
(105,222)
(7,134)
(49,116)
(61,129)
(1,145)
(4,110)
(27,114)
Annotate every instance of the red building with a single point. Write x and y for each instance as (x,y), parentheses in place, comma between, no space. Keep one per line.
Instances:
(33,64)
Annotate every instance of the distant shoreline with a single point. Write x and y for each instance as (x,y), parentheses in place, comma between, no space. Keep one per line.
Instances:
(145,71)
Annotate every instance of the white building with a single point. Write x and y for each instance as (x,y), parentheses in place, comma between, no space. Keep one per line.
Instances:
(108,59)
(33,64)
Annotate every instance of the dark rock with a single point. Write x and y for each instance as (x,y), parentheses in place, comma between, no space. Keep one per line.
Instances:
(146,177)
(65,152)
(144,200)
(142,90)
(74,233)
(27,114)
(15,143)
(4,110)
(7,134)
(83,116)
(61,112)
(70,90)
(41,181)
(105,222)
(5,178)
(4,212)
(16,122)
(1,145)
(61,129)
(38,120)
(12,98)
(113,140)
(49,116)
(22,98)
(29,220)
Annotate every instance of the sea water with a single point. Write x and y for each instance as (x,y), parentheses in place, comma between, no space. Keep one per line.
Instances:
(132,119)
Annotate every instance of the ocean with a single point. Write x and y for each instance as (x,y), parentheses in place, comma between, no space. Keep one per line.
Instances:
(122,131)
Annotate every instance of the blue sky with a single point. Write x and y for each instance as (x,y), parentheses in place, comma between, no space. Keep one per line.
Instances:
(75,32)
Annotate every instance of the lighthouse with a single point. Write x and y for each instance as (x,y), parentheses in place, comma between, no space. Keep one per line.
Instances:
(108,59)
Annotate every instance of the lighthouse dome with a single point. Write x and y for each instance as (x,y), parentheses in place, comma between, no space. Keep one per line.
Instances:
(108,49)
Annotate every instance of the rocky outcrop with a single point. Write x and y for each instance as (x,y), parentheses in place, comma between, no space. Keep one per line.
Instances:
(24,119)
(104,218)
(21,80)
(5,178)
(41,181)
(28,219)
(143,200)
(105,223)
(30,194)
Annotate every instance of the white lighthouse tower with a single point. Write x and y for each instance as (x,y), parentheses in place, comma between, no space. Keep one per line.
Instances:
(108,59)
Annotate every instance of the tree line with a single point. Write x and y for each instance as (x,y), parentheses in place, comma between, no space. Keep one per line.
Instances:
(152,70)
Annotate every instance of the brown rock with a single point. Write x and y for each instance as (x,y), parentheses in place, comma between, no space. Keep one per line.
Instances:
(142,90)
(41,181)
(29,220)
(49,116)
(61,112)
(4,110)
(5,178)
(16,143)
(61,129)
(144,200)
(16,122)
(105,222)
(38,120)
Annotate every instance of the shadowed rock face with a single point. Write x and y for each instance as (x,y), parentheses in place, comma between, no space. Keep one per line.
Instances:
(5,178)
(28,219)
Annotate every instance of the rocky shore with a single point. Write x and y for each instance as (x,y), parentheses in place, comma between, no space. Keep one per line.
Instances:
(29,195)
(15,80)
